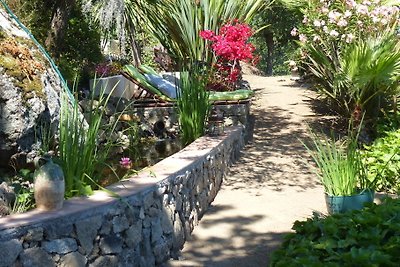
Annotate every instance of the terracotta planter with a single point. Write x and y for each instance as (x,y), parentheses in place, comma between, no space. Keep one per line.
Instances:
(340,204)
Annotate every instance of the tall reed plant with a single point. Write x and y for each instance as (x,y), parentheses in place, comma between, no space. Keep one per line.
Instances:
(193,103)
(80,152)
(340,165)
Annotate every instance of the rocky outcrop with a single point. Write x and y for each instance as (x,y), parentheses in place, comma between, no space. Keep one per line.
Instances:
(30,95)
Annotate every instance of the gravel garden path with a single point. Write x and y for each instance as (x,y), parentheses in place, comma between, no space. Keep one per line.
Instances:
(271,186)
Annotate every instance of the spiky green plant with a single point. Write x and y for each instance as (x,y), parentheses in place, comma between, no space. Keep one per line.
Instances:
(80,153)
(363,76)
(339,165)
(193,104)
(177,23)
(370,70)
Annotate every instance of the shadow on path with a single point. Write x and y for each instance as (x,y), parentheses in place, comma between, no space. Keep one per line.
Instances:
(267,189)
(245,247)
(275,156)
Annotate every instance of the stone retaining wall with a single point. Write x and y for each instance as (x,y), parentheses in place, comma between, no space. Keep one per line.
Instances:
(234,114)
(144,224)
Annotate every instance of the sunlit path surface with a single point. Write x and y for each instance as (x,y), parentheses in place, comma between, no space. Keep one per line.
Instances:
(270,187)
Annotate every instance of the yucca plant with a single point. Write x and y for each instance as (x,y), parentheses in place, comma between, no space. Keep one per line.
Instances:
(323,62)
(177,23)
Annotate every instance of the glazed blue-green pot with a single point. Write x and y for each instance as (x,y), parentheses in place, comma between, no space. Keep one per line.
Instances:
(340,204)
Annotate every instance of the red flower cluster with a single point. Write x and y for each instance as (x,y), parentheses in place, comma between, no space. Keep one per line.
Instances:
(231,43)
(230,46)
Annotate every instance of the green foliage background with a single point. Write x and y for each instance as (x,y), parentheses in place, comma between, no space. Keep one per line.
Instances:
(280,21)
(81,48)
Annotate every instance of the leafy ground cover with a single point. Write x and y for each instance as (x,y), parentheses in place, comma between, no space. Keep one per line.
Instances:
(369,237)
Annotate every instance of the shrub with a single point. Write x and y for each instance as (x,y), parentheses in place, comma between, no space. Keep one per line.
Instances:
(229,47)
(368,237)
(382,157)
(176,24)
(329,37)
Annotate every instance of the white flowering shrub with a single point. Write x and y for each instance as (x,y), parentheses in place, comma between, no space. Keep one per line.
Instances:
(329,30)
(345,21)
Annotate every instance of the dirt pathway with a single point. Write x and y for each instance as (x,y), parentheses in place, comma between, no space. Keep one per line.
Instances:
(269,188)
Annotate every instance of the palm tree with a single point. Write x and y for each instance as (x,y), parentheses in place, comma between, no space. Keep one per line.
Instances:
(370,70)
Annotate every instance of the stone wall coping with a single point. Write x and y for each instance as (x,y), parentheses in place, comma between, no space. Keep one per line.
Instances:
(142,183)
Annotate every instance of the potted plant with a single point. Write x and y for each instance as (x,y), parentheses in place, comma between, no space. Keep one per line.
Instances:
(342,173)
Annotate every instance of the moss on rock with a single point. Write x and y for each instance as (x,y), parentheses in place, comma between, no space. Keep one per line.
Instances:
(19,60)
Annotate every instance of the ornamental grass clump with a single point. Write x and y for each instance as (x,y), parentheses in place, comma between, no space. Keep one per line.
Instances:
(193,103)
(81,154)
(340,167)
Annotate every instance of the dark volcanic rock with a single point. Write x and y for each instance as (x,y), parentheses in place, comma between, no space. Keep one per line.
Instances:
(30,95)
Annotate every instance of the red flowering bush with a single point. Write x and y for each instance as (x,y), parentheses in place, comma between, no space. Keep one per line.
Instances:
(230,46)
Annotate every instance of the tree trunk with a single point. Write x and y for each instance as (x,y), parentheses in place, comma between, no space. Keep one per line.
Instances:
(269,39)
(59,23)
(136,53)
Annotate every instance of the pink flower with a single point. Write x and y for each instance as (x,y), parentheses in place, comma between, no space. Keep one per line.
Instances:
(333,33)
(342,23)
(302,38)
(230,45)
(375,19)
(351,3)
(324,10)
(334,16)
(316,38)
(362,9)
(207,35)
(349,38)
(294,32)
(125,162)
(317,23)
